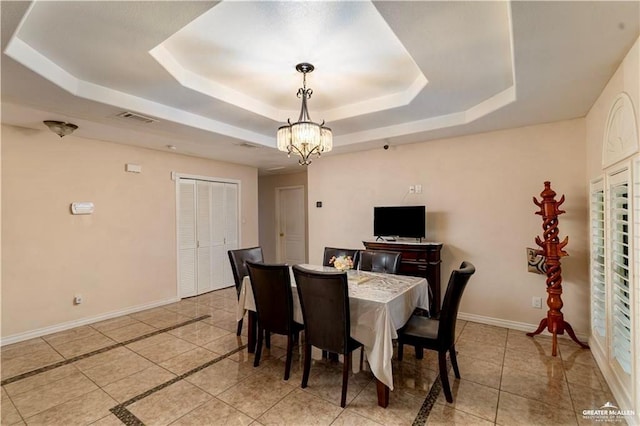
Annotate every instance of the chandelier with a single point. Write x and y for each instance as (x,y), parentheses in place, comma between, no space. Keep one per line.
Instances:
(304,137)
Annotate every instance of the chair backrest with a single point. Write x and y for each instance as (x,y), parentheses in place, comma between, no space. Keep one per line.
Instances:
(449,312)
(238,259)
(380,261)
(271,285)
(324,299)
(329,252)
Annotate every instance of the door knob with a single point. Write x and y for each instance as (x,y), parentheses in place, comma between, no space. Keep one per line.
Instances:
(282,234)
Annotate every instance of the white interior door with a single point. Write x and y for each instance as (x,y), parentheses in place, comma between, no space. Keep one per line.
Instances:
(208,226)
(187,238)
(203,232)
(291,225)
(219,258)
(232,222)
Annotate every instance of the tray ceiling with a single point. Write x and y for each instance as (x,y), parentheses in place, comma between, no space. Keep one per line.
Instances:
(217,76)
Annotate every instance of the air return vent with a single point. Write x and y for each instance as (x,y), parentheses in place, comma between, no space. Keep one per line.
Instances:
(136,117)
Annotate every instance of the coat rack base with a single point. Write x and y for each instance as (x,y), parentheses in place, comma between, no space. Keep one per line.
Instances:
(560,326)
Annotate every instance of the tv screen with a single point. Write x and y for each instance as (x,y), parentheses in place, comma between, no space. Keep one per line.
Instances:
(400,221)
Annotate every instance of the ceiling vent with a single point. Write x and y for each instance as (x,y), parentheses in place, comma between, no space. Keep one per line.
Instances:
(247,145)
(136,117)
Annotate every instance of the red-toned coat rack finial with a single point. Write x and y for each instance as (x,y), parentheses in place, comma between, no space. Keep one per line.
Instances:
(552,249)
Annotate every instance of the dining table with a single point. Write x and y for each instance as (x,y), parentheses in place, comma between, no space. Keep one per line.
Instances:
(379,304)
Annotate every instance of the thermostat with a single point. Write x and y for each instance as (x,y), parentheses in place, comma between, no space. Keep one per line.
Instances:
(83,207)
(133,168)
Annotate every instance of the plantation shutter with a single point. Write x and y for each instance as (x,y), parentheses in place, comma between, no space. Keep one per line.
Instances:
(620,269)
(598,284)
(636,245)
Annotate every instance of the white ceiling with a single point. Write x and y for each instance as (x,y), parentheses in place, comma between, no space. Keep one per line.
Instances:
(218,76)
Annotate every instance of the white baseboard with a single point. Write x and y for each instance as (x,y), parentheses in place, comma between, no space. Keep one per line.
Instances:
(514,325)
(82,321)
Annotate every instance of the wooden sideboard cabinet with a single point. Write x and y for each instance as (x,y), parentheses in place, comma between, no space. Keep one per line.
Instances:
(418,259)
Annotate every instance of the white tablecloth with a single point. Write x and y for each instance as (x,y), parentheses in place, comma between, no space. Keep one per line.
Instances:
(379,304)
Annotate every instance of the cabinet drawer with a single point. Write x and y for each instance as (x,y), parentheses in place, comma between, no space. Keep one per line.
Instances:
(413,256)
(414,270)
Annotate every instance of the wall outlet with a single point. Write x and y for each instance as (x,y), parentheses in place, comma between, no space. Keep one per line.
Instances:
(536,302)
(418,189)
(77,299)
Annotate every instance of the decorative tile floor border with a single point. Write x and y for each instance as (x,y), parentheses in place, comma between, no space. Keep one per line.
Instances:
(427,405)
(128,418)
(98,351)
(429,401)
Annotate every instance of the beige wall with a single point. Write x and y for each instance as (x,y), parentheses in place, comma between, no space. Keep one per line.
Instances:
(123,255)
(267,207)
(478,191)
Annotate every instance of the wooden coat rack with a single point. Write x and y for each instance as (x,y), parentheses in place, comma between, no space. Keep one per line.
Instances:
(552,249)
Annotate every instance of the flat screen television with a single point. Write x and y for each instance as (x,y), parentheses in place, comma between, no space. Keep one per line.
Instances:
(399,221)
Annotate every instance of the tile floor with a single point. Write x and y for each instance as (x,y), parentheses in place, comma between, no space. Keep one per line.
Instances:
(182,364)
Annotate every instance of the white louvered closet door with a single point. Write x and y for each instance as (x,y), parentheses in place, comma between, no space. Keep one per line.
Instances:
(225,231)
(219,256)
(187,238)
(231,228)
(203,228)
(208,227)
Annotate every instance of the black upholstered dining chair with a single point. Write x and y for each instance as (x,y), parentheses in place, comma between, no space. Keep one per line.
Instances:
(238,259)
(380,261)
(271,285)
(439,334)
(324,299)
(330,252)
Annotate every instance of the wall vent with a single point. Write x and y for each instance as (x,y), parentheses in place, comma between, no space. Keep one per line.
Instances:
(136,117)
